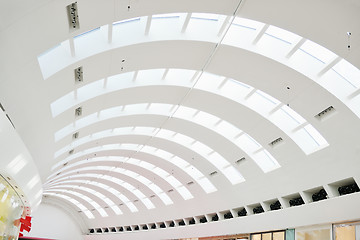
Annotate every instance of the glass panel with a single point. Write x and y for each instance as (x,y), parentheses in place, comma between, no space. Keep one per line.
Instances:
(256,237)
(279,236)
(349,72)
(266,236)
(345,233)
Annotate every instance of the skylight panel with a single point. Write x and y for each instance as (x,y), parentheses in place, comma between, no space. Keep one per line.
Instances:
(283,35)
(132,207)
(62,104)
(165,198)
(319,139)
(194,172)
(317,51)
(161,172)
(146,165)
(160,108)
(179,162)
(126,21)
(217,160)
(164,133)
(148,203)
(166,15)
(293,115)
(206,118)
(180,76)
(247,143)
(262,102)
(173,181)
(209,82)
(184,192)
(235,90)
(348,72)
(248,23)
(182,139)
(228,129)
(207,185)
(233,175)
(90,201)
(90,90)
(149,76)
(201,148)
(185,112)
(265,161)
(205,16)
(144,180)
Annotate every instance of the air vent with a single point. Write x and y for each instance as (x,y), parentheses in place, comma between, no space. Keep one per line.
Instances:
(136,228)
(78,74)
(128,229)
(65,164)
(182,223)
(145,227)
(78,111)
(58,173)
(325,113)
(258,209)
(192,221)
(172,224)
(71,151)
(136,200)
(242,212)
(190,183)
(213,173)
(75,135)
(275,205)
(171,190)
(106,230)
(153,226)
(320,195)
(73,17)
(203,219)
(215,218)
(113,229)
(276,142)
(162,225)
(121,229)
(92,230)
(351,188)
(228,215)
(240,160)
(296,202)
(99,230)
(152,196)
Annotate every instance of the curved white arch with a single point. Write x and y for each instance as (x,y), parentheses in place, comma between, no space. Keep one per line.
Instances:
(155,188)
(139,194)
(97,194)
(278,113)
(242,140)
(86,211)
(173,181)
(85,198)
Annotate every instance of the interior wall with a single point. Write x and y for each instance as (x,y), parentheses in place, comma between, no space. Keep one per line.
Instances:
(51,222)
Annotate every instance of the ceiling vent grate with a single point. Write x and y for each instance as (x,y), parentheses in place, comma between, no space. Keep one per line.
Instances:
(10,121)
(171,190)
(213,173)
(78,74)
(325,113)
(78,111)
(73,17)
(190,183)
(240,160)
(276,142)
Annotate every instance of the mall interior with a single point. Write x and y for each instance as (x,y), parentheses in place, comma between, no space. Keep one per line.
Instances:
(169,119)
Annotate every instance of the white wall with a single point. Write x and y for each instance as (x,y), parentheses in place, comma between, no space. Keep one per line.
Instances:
(54,223)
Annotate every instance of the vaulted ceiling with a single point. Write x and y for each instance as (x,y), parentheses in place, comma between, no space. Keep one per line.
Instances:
(152,111)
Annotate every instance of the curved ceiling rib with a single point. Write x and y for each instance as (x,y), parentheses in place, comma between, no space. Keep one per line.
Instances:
(107,180)
(286,119)
(324,67)
(83,198)
(74,202)
(93,193)
(122,171)
(185,141)
(143,165)
(250,146)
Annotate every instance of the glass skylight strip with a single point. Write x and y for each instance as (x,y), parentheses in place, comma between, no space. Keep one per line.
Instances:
(156,189)
(59,58)
(283,35)
(185,113)
(148,204)
(205,16)
(165,134)
(126,21)
(73,201)
(83,197)
(348,72)
(166,15)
